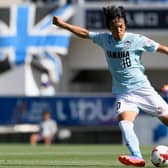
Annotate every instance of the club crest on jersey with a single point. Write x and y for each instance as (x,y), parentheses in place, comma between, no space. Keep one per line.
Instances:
(127,44)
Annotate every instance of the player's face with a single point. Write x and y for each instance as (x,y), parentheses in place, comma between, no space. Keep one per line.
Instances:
(46,116)
(118,28)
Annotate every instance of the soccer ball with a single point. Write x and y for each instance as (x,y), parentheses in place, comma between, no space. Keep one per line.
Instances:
(159,156)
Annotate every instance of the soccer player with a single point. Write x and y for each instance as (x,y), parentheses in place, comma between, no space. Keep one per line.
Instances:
(123,51)
(48,130)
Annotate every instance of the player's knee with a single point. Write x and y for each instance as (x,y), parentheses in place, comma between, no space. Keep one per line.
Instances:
(164,119)
(47,140)
(128,116)
(33,138)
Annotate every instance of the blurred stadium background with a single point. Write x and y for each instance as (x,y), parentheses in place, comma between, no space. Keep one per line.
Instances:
(30,46)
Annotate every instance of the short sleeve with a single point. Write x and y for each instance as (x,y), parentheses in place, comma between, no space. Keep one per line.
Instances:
(148,44)
(97,37)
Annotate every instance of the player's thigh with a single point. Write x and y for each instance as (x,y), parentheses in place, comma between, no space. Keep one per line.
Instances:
(126,109)
(153,104)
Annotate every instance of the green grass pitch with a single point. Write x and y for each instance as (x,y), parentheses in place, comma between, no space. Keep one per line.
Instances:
(65,156)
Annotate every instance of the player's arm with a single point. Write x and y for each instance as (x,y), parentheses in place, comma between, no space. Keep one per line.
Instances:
(79,31)
(162,49)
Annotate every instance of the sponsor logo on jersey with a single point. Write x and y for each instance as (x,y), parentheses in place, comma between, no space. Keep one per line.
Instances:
(118,54)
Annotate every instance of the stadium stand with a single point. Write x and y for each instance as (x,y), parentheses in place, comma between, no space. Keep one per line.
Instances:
(85,70)
(4,2)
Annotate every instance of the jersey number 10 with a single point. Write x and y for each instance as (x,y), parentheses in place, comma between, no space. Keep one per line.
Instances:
(126,62)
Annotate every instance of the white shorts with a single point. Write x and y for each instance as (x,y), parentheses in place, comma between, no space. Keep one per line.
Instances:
(145,98)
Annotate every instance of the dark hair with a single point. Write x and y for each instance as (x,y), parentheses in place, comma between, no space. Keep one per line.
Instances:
(45,112)
(111,12)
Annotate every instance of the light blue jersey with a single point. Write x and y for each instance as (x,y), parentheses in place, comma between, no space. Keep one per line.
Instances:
(124,59)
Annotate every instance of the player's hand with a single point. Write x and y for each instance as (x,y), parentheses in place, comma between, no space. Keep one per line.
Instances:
(57,21)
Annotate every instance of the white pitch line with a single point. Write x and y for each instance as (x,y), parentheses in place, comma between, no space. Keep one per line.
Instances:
(57,153)
(42,162)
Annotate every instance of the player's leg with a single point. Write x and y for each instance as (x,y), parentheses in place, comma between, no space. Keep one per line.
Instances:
(126,123)
(164,119)
(47,140)
(34,139)
(155,105)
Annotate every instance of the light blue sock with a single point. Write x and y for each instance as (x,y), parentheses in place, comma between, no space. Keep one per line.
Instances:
(130,138)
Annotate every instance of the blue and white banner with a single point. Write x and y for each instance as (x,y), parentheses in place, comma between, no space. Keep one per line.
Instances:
(67,111)
(78,111)
(27,30)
